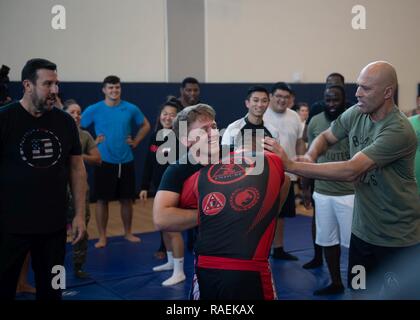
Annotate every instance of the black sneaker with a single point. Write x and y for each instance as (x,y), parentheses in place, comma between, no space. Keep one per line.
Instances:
(282,255)
(313,264)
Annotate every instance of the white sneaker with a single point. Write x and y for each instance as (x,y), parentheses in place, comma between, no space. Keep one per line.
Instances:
(164,267)
(174,280)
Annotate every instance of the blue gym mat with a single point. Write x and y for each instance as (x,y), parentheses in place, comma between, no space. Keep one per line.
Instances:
(123,270)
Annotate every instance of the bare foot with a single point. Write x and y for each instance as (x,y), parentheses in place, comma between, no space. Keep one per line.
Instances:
(100,244)
(132,238)
(25,288)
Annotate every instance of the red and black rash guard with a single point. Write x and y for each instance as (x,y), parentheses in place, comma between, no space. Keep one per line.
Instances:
(237,211)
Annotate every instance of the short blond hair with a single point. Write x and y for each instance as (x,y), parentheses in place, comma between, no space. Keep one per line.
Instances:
(191,114)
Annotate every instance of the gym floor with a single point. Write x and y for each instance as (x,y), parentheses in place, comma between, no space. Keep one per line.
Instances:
(123,270)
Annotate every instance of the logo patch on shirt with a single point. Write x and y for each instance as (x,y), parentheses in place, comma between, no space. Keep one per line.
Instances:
(40,148)
(213,203)
(244,198)
(231,172)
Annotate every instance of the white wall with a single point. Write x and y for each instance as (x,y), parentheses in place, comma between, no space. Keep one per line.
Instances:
(269,40)
(102,37)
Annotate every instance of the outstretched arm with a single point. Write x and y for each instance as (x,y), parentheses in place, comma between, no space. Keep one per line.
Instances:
(339,171)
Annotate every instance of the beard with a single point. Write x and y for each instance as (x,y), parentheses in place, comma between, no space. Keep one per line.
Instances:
(331,116)
(41,105)
(192,101)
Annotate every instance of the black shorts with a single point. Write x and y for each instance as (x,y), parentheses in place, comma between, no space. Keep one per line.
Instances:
(217,284)
(115,181)
(390,272)
(289,208)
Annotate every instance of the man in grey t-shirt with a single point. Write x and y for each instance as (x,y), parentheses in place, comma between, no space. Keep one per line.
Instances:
(385,236)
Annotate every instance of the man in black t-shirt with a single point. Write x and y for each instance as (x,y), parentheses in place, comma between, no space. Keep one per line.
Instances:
(39,153)
(256,102)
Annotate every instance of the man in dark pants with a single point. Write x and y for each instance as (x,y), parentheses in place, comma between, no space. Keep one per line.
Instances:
(39,154)
(290,134)
(386,217)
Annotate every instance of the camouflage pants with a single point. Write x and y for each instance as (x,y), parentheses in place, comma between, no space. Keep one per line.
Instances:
(80,248)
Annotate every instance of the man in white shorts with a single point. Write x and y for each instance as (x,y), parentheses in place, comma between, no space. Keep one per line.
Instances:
(333,200)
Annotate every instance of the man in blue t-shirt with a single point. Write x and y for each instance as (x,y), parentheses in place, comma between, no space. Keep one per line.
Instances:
(115,178)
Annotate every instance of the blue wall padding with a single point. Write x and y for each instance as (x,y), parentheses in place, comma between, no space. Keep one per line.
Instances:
(226,98)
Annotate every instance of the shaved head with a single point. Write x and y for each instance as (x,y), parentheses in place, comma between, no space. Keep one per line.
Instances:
(377,84)
(382,72)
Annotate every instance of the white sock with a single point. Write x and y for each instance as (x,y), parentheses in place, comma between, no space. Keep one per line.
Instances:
(168,265)
(178,275)
(178,266)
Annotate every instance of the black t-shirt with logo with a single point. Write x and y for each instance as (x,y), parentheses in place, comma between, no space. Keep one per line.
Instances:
(237,208)
(34,169)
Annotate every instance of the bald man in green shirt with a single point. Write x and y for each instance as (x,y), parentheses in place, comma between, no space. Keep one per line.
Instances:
(386,217)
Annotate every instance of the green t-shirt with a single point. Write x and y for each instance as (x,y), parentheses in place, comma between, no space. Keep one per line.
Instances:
(387,205)
(338,152)
(415,121)
(86,141)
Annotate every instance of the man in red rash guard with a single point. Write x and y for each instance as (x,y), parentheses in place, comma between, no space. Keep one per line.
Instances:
(237,219)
